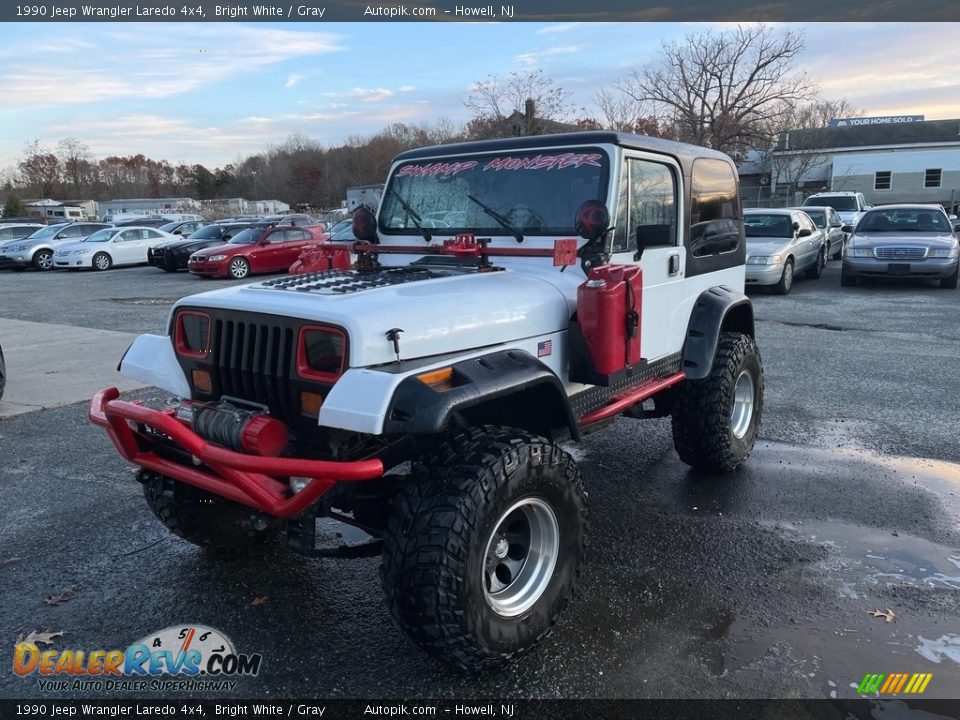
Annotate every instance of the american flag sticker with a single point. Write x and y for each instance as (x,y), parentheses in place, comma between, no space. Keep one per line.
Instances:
(544,348)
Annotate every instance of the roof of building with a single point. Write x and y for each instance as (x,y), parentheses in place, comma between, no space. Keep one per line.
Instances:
(852,136)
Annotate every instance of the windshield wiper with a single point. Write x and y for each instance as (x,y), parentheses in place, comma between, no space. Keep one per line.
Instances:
(501,220)
(427,235)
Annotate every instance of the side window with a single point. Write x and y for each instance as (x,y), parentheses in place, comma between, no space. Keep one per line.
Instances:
(129,235)
(297,235)
(71,232)
(714,208)
(647,205)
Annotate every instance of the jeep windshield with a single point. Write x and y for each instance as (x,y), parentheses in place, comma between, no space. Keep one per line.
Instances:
(536,193)
(841,203)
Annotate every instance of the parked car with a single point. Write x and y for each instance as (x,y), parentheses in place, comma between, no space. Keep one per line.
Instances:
(14,231)
(37,249)
(907,241)
(781,243)
(183,228)
(850,205)
(109,247)
(828,220)
(298,219)
(258,249)
(153,222)
(174,254)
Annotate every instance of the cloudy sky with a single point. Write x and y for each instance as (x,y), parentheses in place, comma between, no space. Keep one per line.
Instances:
(212,93)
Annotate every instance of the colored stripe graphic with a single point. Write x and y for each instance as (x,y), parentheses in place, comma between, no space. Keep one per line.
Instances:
(894,683)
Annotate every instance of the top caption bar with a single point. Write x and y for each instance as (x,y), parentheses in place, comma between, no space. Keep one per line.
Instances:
(528,11)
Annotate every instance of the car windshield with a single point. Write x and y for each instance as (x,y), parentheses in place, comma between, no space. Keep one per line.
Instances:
(818,216)
(842,203)
(101,235)
(246,237)
(767,226)
(904,220)
(170,226)
(44,232)
(537,193)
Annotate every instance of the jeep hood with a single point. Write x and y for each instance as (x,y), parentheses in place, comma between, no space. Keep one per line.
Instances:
(439,310)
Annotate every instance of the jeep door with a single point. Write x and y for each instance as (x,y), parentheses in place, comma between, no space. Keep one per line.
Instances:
(648,209)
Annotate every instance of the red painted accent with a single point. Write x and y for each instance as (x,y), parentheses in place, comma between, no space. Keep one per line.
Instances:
(264,435)
(247,479)
(303,367)
(631,398)
(604,312)
(317,258)
(179,339)
(564,252)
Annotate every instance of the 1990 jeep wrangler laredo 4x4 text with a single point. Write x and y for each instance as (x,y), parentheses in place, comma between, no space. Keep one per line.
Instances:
(510,295)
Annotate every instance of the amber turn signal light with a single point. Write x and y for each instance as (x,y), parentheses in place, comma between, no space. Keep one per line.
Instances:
(310,403)
(440,380)
(202,381)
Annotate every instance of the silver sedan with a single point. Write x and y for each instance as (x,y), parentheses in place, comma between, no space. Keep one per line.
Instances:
(781,243)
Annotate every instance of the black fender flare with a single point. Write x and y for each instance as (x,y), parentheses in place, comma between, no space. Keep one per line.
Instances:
(508,387)
(717,309)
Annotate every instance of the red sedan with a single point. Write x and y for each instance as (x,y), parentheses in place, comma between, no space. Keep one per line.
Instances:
(258,249)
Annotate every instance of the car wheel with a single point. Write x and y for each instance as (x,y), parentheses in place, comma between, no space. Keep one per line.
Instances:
(239,268)
(786,279)
(484,545)
(102,261)
(847,279)
(838,255)
(950,282)
(715,421)
(816,270)
(43,260)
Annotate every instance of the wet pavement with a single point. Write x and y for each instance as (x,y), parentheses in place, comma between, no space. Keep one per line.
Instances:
(754,585)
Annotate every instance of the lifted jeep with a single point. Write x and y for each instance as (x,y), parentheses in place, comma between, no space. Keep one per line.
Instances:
(509,295)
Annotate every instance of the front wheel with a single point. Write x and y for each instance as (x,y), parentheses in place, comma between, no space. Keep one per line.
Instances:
(816,270)
(950,282)
(43,260)
(102,261)
(716,420)
(847,279)
(484,545)
(239,268)
(786,279)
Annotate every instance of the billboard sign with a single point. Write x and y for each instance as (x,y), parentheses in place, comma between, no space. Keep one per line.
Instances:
(882,120)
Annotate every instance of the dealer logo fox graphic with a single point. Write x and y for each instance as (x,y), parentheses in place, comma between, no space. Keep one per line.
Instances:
(894,683)
(185,651)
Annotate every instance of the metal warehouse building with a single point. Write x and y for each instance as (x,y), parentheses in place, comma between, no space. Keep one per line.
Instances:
(888,162)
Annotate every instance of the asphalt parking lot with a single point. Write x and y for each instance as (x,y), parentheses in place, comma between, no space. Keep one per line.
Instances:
(755,585)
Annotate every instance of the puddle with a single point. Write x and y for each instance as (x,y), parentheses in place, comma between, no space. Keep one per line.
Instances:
(946,647)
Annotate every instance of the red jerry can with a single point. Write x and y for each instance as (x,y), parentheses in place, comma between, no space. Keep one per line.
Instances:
(608,310)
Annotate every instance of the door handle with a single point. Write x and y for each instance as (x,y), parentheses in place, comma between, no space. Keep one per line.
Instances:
(673,266)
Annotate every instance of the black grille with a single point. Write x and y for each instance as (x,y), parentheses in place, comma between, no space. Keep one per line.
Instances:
(255,361)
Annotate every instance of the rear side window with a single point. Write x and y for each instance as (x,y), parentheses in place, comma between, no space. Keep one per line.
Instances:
(714,208)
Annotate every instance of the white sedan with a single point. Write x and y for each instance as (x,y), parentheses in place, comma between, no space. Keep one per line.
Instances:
(109,247)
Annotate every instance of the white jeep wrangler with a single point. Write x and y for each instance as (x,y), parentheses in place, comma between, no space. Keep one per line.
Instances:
(510,295)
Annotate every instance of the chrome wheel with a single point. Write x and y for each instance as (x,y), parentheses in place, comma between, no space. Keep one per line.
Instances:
(788,276)
(101,261)
(742,413)
(239,268)
(521,556)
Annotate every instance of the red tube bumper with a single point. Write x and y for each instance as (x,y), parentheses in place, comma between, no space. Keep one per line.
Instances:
(247,479)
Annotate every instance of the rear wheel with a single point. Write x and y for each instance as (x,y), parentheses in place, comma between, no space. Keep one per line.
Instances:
(102,261)
(204,519)
(786,279)
(950,282)
(484,545)
(43,260)
(716,420)
(239,268)
(816,270)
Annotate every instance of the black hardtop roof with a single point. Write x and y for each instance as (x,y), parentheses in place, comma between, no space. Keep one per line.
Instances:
(683,152)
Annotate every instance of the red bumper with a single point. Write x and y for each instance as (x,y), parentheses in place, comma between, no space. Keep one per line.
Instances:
(247,479)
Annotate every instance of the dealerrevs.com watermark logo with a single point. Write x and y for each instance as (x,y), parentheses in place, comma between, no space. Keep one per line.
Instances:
(180,657)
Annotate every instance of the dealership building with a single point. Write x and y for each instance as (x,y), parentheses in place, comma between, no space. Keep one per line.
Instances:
(888,159)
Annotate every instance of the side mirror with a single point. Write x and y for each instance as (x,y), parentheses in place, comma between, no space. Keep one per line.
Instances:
(364,225)
(806,232)
(847,228)
(592,220)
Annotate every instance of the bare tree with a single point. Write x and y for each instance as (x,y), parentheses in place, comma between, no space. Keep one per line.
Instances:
(40,168)
(496,98)
(729,90)
(75,159)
